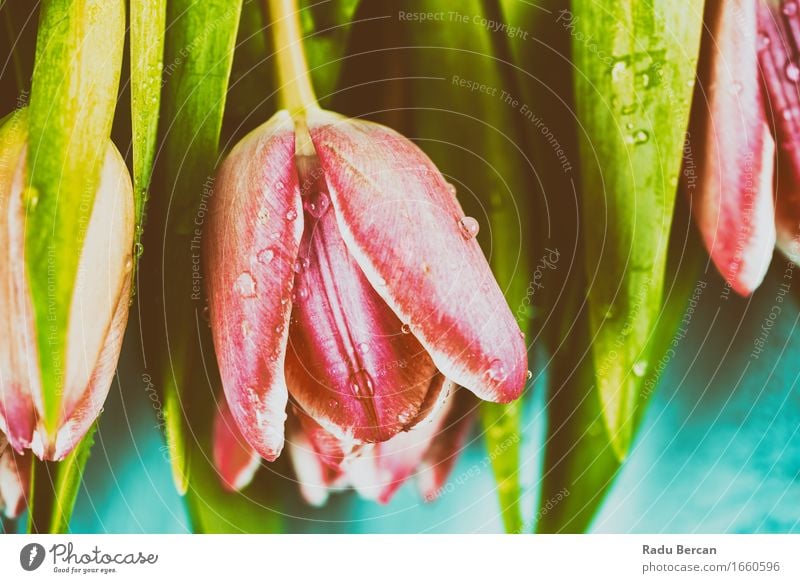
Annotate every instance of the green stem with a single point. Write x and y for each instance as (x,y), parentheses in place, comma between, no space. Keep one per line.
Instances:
(295,90)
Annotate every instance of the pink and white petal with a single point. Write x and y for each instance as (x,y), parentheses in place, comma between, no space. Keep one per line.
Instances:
(20,382)
(728,171)
(104,270)
(350,366)
(15,481)
(448,443)
(779,31)
(313,475)
(235,460)
(88,409)
(404,228)
(250,247)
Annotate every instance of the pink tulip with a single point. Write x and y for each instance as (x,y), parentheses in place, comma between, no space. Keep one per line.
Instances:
(99,309)
(15,480)
(342,272)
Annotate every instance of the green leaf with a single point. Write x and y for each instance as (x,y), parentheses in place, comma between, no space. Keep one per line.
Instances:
(68,480)
(199,46)
(147,53)
(73,97)
(633,85)
(411,74)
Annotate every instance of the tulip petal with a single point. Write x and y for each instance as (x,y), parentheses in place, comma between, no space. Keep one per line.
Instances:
(730,180)
(407,233)
(250,248)
(350,366)
(235,460)
(15,480)
(779,43)
(312,473)
(104,270)
(19,373)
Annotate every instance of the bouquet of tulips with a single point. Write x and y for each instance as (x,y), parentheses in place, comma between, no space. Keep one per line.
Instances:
(351,234)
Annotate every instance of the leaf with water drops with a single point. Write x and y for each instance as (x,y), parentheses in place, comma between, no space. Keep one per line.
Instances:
(633,90)
(146,57)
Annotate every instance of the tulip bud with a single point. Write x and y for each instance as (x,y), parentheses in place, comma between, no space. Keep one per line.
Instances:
(98,311)
(343,272)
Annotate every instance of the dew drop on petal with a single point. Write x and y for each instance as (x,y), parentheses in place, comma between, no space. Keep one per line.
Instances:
(333,404)
(361,384)
(265,256)
(763,42)
(245,285)
(138,249)
(363,348)
(291,215)
(790,8)
(469,227)
(451,189)
(529,375)
(496,371)
(405,329)
(792,71)
(405,417)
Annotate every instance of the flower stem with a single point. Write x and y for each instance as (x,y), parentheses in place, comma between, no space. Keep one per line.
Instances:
(296,92)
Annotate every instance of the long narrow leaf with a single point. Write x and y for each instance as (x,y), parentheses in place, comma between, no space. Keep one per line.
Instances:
(633,89)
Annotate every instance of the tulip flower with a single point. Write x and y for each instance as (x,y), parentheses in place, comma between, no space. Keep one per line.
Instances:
(98,312)
(342,273)
(742,166)
(347,277)
(15,480)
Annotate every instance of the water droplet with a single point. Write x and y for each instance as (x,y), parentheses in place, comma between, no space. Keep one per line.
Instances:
(265,256)
(638,137)
(496,371)
(363,348)
(298,266)
(639,368)
(645,80)
(138,249)
(629,126)
(361,384)
(787,114)
(405,329)
(284,301)
(469,227)
(790,8)
(763,42)
(618,69)
(333,404)
(291,215)
(279,328)
(302,293)
(792,71)
(206,313)
(245,285)
(521,334)
(405,417)
(451,189)
(529,375)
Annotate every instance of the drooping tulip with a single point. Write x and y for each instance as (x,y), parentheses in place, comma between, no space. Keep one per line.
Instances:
(742,168)
(15,480)
(98,312)
(343,273)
